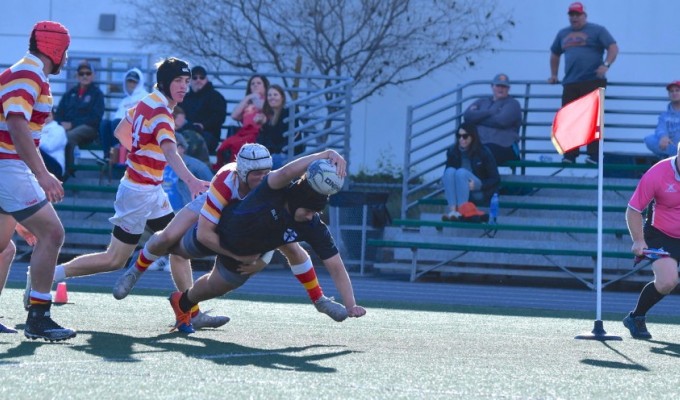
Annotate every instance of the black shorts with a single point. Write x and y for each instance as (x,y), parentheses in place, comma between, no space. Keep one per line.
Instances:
(657,239)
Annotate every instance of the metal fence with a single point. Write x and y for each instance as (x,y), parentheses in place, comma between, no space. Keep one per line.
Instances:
(321,105)
(631,111)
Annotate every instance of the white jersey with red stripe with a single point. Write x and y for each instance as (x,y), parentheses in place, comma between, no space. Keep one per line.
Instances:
(152,123)
(25,91)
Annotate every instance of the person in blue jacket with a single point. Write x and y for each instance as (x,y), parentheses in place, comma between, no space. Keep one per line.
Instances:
(80,112)
(664,141)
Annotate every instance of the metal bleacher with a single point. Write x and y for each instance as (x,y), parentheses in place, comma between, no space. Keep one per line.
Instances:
(547,225)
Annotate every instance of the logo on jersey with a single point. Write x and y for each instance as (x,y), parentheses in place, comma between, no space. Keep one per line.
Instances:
(671,188)
(289,235)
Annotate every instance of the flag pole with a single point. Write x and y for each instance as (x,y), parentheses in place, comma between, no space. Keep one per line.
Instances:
(598,332)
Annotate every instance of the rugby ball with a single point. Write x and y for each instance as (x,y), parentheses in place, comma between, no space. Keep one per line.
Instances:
(323,178)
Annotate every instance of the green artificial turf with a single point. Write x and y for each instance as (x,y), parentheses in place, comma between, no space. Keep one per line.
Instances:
(287,350)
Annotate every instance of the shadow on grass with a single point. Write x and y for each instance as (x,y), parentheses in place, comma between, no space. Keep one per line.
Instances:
(629,363)
(667,349)
(113,347)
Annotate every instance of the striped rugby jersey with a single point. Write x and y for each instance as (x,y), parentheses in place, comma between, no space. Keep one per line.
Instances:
(152,123)
(223,188)
(24,90)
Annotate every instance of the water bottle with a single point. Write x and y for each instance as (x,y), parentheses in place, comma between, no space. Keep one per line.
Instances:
(76,154)
(493,208)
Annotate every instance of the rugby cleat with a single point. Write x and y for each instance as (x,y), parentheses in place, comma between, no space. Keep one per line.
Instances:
(203,320)
(39,325)
(182,318)
(330,307)
(126,282)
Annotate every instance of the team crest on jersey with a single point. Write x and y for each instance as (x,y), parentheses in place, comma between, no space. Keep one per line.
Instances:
(275,215)
(289,235)
(670,188)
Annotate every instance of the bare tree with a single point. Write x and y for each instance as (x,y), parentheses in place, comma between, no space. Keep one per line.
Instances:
(376,42)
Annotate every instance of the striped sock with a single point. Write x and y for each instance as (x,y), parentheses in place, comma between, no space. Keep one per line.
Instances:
(145,259)
(38,298)
(194,311)
(306,274)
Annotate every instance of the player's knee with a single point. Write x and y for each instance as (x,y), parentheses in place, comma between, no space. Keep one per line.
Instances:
(666,286)
(51,235)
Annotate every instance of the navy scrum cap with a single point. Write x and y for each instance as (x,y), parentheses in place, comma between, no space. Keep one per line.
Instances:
(168,70)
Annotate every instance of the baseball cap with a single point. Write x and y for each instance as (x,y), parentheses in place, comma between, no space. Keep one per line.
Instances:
(674,83)
(85,65)
(501,80)
(198,70)
(576,7)
(132,76)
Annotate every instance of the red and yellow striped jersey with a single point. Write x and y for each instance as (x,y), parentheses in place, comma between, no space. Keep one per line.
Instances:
(152,123)
(223,188)
(25,91)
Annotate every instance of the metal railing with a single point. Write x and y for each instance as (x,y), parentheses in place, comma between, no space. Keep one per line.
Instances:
(321,105)
(631,111)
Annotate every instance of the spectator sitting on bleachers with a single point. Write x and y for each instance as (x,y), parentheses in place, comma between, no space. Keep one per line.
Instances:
(195,143)
(133,86)
(249,113)
(80,112)
(272,132)
(205,108)
(470,175)
(498,118)
(52,143)
(663,142)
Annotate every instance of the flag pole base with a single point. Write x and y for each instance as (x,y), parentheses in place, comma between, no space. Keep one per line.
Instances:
(598,333)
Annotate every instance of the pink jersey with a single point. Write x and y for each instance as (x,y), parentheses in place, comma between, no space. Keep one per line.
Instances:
(25,91)
(660,183)
(223,189)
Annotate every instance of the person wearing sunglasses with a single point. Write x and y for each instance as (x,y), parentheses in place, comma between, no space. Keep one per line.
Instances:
(80,112)
(498,118)
(205,108)
(470,175)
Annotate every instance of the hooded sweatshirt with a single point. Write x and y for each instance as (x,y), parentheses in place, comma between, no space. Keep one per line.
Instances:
(131,99)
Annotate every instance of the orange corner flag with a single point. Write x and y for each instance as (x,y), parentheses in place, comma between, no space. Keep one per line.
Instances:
(579,122)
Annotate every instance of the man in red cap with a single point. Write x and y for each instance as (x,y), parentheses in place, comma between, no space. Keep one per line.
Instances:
(28,188)
(583,44)
(664,141)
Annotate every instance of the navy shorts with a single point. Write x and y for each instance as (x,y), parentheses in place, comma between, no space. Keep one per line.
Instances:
(230,274)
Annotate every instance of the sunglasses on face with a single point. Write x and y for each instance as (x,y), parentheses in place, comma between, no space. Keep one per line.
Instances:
(197,77)
(463,136)
(85,73)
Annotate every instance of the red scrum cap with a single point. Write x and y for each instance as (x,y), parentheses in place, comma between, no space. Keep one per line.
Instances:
(50,38)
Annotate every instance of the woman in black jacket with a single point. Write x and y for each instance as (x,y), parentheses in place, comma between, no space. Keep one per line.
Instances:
(273,133)
(471,172)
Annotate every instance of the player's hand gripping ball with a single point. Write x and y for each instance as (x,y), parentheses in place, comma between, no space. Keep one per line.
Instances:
(323,178)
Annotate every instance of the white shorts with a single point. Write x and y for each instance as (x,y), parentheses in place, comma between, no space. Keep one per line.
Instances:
(19,189)
(136,204)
